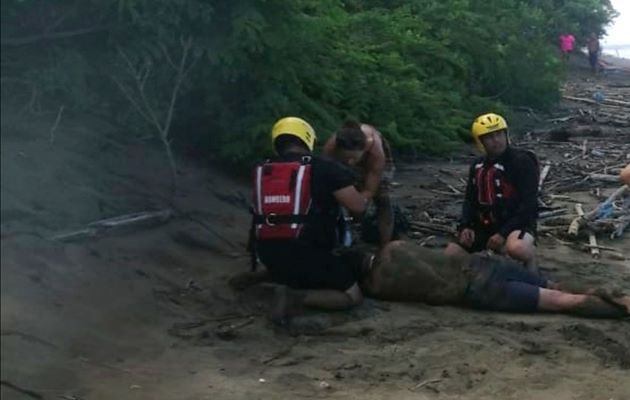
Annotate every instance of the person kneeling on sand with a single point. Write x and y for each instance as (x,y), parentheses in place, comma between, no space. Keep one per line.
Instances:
(404,271)
(296,207)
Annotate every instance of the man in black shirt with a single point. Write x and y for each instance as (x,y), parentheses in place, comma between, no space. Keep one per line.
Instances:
(500,205)
(297,246)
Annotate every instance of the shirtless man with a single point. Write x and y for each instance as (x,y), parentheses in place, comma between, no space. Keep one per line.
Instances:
(363,148)
(407,272)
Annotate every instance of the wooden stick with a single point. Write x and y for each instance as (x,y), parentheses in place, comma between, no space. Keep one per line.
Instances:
(592,241)
(574,227)
(454,189)
(607,101)
(551,213)
(543,175)
(584,148)
(604,177)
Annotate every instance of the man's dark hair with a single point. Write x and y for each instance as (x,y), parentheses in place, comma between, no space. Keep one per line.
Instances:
(285,142)
(350,136)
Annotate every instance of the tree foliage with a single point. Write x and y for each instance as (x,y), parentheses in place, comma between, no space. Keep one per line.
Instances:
(419,70)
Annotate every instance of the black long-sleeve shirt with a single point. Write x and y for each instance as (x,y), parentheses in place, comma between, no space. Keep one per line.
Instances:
(520,211)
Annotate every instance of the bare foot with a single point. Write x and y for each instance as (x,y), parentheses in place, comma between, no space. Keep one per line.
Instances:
(623,301)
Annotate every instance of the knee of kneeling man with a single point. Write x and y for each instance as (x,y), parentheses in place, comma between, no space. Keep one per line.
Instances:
(516,248)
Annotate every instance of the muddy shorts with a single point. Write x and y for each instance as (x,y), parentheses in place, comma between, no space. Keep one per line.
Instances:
(500,284)
(302,266)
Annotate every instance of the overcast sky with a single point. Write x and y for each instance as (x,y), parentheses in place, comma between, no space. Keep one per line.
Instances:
(619,32)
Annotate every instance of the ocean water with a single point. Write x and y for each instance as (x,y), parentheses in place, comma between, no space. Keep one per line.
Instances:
(622,51)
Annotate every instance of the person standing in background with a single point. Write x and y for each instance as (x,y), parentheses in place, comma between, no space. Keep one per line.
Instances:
(567,42)
(593,52)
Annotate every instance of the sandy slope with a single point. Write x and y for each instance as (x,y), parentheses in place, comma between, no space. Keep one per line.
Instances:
(146,314)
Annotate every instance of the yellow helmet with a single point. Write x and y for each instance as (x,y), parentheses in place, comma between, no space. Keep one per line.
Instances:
(484,124)
(295,127)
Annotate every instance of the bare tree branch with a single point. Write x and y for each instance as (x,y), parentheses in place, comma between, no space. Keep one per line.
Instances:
(168,57)
(144,107)
(133,101)
(148,111)
(56,124)
(51,36)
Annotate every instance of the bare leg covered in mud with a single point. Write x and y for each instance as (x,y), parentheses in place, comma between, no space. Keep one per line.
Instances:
(596,303)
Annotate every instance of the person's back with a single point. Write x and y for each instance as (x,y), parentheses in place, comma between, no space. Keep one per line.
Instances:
(408,272)
(567,42)
(593,44)
(325,178)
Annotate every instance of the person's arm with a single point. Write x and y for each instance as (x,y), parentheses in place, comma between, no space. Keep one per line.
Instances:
(526,183)
(350,198)
(470,204)
(329,146)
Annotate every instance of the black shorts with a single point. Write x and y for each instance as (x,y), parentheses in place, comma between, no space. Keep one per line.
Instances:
(302,266)
(500,284)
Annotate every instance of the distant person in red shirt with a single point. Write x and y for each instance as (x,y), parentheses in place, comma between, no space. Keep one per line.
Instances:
(567,42)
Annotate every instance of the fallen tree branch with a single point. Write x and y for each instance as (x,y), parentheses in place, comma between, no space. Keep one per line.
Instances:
(574,227)
(129,220)
(604,177)
(543,175)
(592,242)
(27,392)
(56,124)
(606,101)
(51,36)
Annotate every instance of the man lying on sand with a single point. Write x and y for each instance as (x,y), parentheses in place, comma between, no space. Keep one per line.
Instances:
(403,271)
(407,272)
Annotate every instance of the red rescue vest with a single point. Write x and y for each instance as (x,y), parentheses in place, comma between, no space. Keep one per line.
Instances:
(492,187)
(281,198)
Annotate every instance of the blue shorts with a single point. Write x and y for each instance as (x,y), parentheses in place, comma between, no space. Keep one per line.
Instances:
(500,284)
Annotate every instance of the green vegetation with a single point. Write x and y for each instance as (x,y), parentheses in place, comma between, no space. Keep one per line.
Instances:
(419,70)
